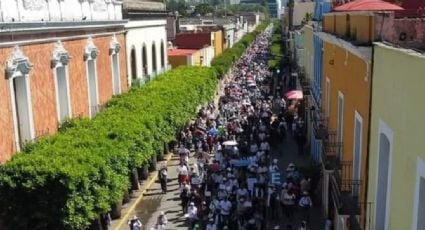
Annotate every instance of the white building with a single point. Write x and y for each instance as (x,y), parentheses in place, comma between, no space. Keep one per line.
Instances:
(146,39)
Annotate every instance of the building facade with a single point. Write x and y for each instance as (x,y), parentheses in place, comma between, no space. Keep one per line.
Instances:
(146,39)
(397,149)
(346,86)
(58,64)
(200,39)
(190,57)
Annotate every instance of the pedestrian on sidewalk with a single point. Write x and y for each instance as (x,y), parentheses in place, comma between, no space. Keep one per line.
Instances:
(106,221)
(161,221)
(192,215)
(184,197)
(305,203)
(135,223)
(183,172)
(162,174)
(288,201)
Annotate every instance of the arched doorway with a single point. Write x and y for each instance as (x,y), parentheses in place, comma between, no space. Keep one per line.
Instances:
(162,55)
(133,64)
(153,58)
(144,60)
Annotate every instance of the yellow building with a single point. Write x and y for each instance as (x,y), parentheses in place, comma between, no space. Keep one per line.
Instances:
(396,188)
(345,104)
(217,41)
(190,57)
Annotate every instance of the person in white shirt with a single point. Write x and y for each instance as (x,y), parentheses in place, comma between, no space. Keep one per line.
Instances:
(211,225)
(192,214)
(274,167)
(225,207)
(264,146)
(161,221)
(183,173)
(135,223)
(184,154)
(242,192)
(305,203)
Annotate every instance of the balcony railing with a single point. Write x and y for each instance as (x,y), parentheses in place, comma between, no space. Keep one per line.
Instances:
(332,149)
(345,191)
(320,124)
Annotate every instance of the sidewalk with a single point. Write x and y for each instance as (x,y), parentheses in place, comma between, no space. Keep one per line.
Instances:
(153,202)
(137,197)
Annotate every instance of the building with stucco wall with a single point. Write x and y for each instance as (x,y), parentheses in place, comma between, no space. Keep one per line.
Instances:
(58,64)
(146,39)
(396,188)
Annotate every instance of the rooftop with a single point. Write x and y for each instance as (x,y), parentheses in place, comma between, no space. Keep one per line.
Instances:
(180,52)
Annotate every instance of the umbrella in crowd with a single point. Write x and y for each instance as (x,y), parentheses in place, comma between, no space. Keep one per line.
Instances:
(294,94)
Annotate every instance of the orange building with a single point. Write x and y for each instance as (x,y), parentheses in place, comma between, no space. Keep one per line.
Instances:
(346,86)
(57,70)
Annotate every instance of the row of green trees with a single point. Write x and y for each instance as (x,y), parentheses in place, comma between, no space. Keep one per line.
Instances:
(67,180)
(223,62)
(276,49)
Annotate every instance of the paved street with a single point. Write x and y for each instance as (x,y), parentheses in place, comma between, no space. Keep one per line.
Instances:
(154,201)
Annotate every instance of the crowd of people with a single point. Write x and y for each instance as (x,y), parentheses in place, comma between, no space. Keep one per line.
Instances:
(228,175)
(230,184)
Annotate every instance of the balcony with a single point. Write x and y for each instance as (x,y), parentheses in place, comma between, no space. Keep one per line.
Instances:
(320,124)
(305,82)
(332,149)
(345,191)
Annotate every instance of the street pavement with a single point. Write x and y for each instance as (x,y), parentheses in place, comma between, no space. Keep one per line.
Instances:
(153,202)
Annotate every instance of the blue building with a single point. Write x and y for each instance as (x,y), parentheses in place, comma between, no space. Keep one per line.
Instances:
(319,121)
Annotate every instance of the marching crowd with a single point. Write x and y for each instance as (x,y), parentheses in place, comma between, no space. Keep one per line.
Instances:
(228,177)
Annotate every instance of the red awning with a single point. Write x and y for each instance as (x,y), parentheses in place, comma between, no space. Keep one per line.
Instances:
(368,5)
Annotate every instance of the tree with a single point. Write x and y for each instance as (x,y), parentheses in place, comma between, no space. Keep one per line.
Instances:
(203,9)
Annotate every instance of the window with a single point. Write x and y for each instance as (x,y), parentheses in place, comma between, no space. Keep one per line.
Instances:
(93,95)
(144,60)
(383,176)
(62,93)
(153,58)
(357,153)
(59,63)
(162,55)
(22,105)
(17,72)
(421,205)
(419,199)
(340,121)
(114,50)
(328,96)
(115,74)
(133,64)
